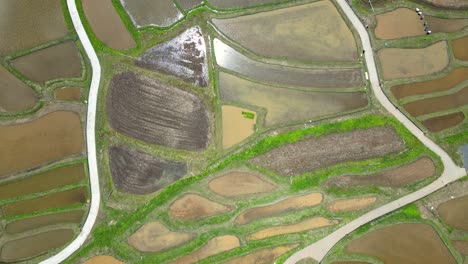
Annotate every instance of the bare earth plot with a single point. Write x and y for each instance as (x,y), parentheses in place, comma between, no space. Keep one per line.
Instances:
(14,94)
(236,126)
(238,183)
(154,237)
(455,212)
(192,206)
(459,48)
(351,204)
(68,93)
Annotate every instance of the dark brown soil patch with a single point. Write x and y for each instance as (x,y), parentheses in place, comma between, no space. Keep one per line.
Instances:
(413,172)
(157,113)
(54,200)
(14,94)
(461,246)
(440,123)
(448,81)
(27,224)
(455,212)
(263,256)
(154,237)
(137,172)
(460,50)
(193,206)
(239,183)
(56,62)
(43,181)
(437,104)
(68,93)
(314,153)
(183,57)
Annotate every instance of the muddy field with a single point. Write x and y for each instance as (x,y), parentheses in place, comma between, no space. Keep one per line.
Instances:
(103,259)
(189,4)
(193,206)
(309,224)
(214,246)
(35,245)
(284,206)
(50,201)
(14,94)
(455,212)
(437,104)
(231,59)
(351,204)
(161,13)
(440,123)
(222,4)
(407,63)
(68,93)
(459,48)
(263,256)
(236,126)
(461,246)
(183,57)
(20,32)
(31,223)
(56,62)
(450,80)
(409,243)
(314,153)
(137,172)
(154,237)
(449,3)
(296,31)
(55,136)
(157,113)
(42,182)
(107,25)
(437,24)
(239,183)
(287,105)
(398,177)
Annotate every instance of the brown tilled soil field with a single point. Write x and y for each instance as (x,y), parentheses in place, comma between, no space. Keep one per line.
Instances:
(158,113)
(214,246)
(236,127)
(103,260)
(440,123)
(193,206)
(26,224)
(14,94)
(137,172)
(403,243)
(450,80)
(183,57)
(312,223)
(398,177)
(437,24)
(352,204)
(238,183)
(455,212)
(263,256)
(154,237)
(68,93)
(284,206)
(459,48)
(314,153)
(437,104)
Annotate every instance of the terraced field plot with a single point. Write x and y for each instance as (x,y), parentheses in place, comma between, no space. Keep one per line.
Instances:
(237,124)
(27,224)
(351,204)
(154,237)
(437,104)
(440,123)
(192,206)
(459,48)
(161,13)
(239,183)
(14,94)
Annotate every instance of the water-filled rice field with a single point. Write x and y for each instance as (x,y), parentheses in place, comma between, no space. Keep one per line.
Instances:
(31,223)
(437,104)
(161,13)
(14,94)
(236,125)
(439,123)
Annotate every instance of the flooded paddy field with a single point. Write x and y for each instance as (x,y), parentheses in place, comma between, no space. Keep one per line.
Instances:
(20,32)
(68,93)
(14,94)
(103,259)
(314,153)
(222,4)
(188,4)
(236,125)
(137,172)
(107,24)
(31,223)
(239,183)
(29,247)
(351,204)
(287,105)
(263,256)
(157,113)
(396,177)
(437,104)
(296,31)
(409,243)
(450,80)
(309,224)
(407,63)
(154,237)
(43,181)
(455,212)
(193,206)
(231,59)
(440,123)
(56,62)
(160,13)
(55,136)
(459,48)
(281,207)
(183,57)
(50,201)
(214,246)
